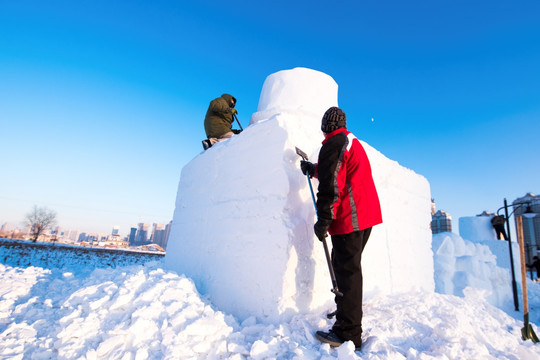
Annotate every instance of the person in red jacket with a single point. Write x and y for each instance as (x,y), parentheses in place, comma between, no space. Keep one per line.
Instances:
(347,208)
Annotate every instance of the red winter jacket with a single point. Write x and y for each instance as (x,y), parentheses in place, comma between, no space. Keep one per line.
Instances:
(347,197)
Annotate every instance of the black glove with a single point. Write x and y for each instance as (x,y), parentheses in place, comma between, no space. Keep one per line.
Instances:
(236,131)
(321,228)
(307,168)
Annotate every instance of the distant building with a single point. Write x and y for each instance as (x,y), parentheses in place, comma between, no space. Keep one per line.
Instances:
(168,232)
(114,241)
(441,221)
(92,238)
(160,234)
(132,234)
(5,227)
(73,235)
(141,236)
(528,228)
(486,213)
(56,232)
(115,230)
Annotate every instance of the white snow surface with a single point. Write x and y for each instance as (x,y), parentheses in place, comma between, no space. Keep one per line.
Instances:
(147,312)
(243,223)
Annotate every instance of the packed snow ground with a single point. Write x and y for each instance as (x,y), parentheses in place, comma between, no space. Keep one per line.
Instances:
(146,312)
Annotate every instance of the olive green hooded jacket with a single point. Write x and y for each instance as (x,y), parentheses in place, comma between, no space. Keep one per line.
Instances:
(219,119)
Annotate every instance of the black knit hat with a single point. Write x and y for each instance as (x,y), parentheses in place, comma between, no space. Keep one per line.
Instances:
(333,119)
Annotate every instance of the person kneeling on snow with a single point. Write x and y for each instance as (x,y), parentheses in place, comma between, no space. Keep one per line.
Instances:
(218,120)
(347,208)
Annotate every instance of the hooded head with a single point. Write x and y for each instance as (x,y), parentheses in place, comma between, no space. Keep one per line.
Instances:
(231,100)
(333,119)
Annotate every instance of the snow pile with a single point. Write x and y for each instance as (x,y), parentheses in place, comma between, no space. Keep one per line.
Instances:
(145,312)
(243,223)
(460,264)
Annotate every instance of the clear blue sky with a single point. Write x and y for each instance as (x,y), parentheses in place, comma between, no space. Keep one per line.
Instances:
(102,102)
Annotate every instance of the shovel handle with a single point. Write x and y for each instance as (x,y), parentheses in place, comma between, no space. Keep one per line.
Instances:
(236,118)
(334,289)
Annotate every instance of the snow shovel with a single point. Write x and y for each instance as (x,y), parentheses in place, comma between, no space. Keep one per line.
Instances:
(527,332)
(334,289)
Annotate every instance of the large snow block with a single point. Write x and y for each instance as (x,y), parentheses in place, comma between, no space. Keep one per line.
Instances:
(476,228)
(398,256)
(243,223)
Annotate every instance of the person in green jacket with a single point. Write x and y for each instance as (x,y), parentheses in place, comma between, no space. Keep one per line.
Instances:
(219,119)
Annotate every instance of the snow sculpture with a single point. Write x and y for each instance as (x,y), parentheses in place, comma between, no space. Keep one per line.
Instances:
(243,223)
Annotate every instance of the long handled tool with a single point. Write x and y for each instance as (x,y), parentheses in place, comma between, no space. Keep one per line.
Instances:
(236,118)
(334,289)
(527,331)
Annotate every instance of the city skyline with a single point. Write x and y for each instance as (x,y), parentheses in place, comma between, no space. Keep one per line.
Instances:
(102,105)
(6,227)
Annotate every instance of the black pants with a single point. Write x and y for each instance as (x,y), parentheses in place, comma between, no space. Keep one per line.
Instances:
(499,229)
(347,261)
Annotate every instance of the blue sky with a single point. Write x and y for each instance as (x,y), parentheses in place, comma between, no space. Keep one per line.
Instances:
(102,103)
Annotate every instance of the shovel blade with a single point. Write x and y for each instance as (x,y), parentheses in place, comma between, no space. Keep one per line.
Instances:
(301,153)
(527,333)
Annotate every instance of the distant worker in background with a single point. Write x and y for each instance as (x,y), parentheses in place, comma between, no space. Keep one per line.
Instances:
(498,222)
(536,266)
(218,121)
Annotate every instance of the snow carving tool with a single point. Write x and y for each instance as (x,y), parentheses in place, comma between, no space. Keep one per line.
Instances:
(236,118)
(334,289)
(527,332)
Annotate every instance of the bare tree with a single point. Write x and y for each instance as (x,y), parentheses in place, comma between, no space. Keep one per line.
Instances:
(40,219)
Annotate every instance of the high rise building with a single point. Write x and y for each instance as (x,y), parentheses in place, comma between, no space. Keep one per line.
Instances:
(73,235)
(141,237)
(158,234)
(132,234)
(441,221)
(167,233)
(82,237)
(115,230)
(528,227)
(156,228)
